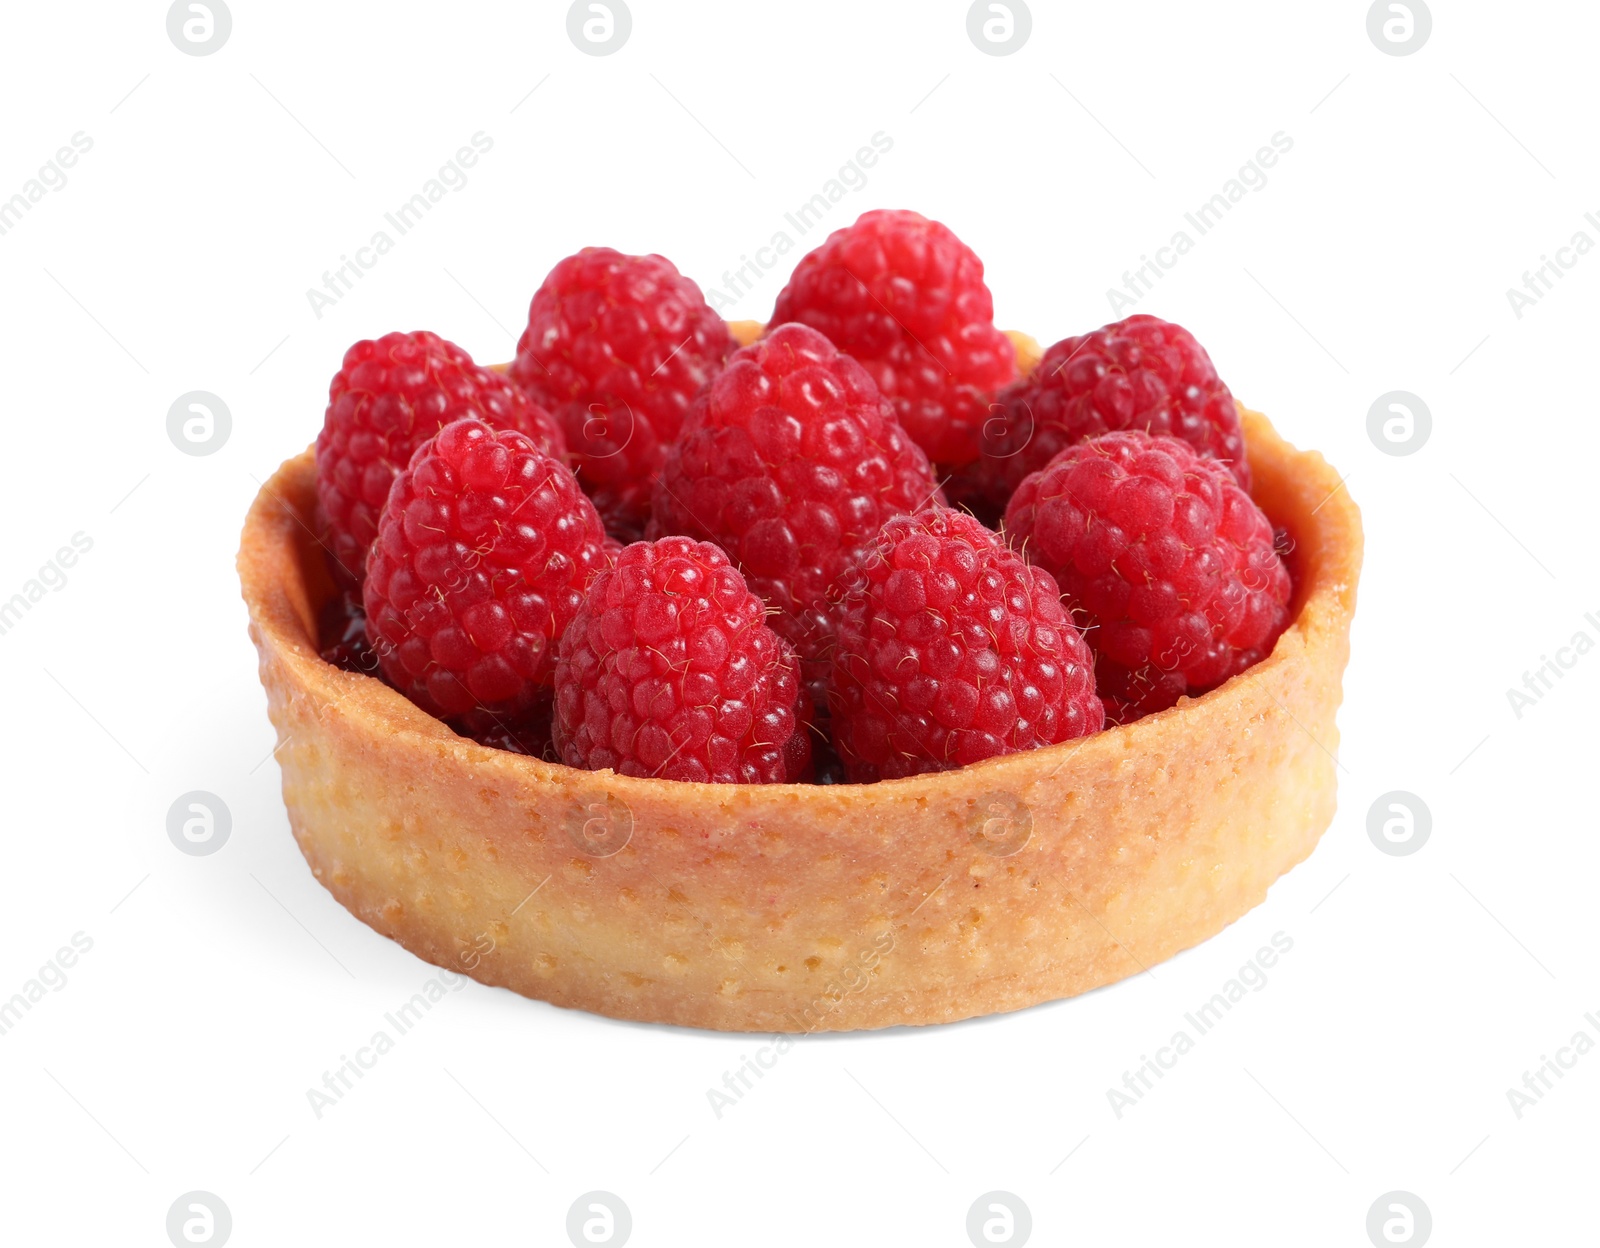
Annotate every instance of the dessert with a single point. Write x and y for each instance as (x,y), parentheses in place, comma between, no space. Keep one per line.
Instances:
(947,832)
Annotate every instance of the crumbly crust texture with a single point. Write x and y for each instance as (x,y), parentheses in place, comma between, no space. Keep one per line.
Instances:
(797,908)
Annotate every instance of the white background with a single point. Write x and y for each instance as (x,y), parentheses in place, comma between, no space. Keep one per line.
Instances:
(219,989)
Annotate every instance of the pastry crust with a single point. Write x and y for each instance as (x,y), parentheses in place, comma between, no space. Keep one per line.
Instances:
(796,908)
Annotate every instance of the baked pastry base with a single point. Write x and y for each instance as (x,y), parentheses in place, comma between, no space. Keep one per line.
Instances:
(797,908)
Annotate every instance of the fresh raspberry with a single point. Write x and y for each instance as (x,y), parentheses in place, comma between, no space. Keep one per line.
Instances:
(616,347)
(949,649)
(483,552)
(669,670)
(390,397)
(906,297)
(1141,373)
(789,462)
(1172,564)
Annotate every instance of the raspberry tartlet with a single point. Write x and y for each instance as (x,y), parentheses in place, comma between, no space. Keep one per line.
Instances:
(598,773)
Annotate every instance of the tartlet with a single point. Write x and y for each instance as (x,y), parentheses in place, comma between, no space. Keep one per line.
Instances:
(798,908)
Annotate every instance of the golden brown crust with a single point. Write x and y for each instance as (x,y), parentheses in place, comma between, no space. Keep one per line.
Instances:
(794,907)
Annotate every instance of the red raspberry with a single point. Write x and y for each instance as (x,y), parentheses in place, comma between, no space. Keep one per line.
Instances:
(616,347)
(1141,373)
(789,462)
(906,297)
(669,670)
(1173,564)
(483,552)
(949,649)
(390,397)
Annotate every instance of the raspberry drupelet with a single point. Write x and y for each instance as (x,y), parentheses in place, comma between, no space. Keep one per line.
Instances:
(906,297)
(484,549)
(669,670)
(949,649)
(790,460)
(1173,566)
(1140,373)
(616,347)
